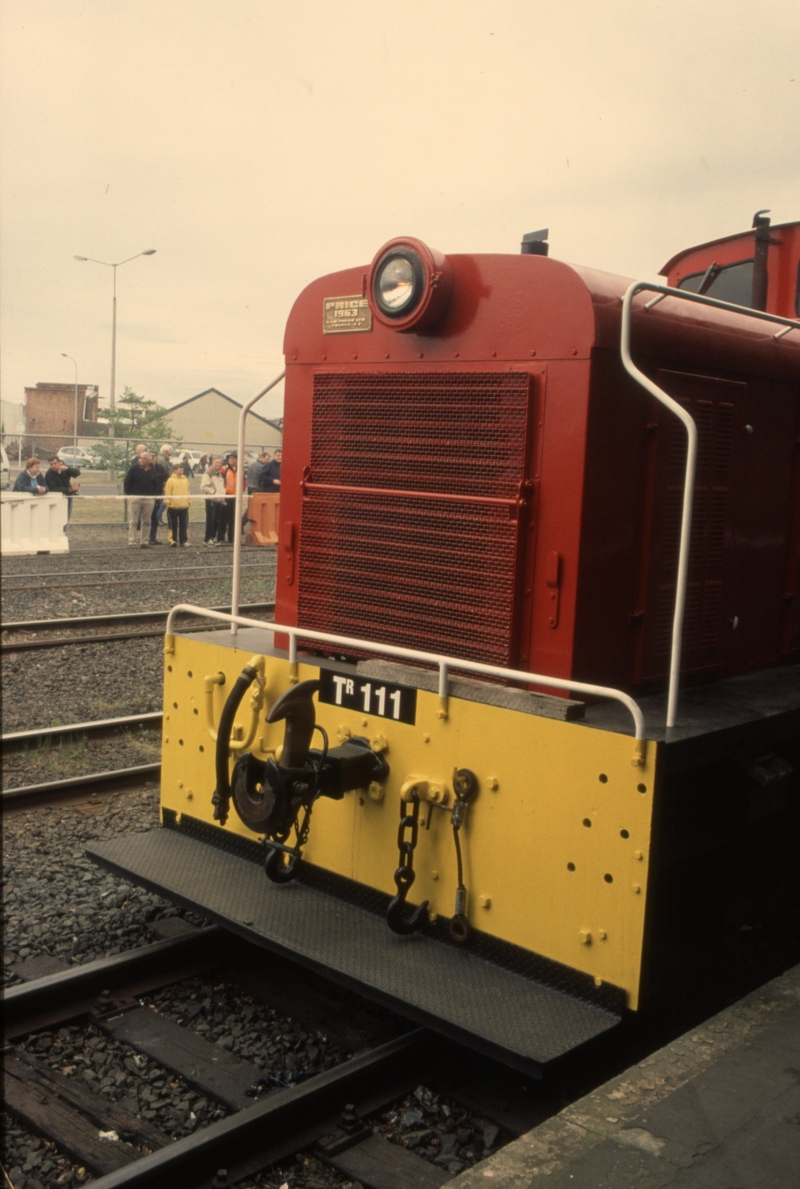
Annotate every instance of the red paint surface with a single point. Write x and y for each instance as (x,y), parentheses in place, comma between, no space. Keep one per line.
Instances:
(593,452)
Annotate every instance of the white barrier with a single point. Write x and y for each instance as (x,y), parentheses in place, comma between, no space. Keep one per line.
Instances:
(31,524)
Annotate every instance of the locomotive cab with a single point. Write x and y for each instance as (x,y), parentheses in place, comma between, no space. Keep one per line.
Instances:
(444,775)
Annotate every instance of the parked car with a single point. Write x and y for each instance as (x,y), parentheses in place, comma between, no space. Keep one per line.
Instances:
(193,460)
(5,470)
(76,456)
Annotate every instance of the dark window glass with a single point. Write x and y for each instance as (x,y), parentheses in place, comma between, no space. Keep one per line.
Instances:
(732,283)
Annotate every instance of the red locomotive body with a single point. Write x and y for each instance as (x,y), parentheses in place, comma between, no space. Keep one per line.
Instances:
(489,482)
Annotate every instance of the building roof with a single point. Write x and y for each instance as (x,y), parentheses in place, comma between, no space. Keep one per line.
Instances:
(216,392)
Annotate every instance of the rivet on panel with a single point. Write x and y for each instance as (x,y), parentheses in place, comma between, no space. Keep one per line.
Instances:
(485,901)
(376,791)
(365,722)
(598,982)
(493,784)
(602,935)
(434,875)
(426,738)
(180,784)
(343,732)
(637,854)
(361,801)
(585,937)
(636,888)
(189,795)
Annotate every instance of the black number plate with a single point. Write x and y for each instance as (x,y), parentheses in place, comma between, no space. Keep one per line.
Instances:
(368,696)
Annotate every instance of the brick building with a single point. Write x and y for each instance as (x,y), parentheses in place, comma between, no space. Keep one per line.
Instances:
(50,410)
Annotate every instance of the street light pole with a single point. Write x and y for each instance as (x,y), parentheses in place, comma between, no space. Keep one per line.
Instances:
(75,423)
(114,267)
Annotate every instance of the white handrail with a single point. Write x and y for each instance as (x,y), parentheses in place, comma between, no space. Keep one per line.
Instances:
(443,663)
(691,452)
(237,528)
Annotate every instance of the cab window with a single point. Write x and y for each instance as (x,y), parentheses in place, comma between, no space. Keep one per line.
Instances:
(733,282)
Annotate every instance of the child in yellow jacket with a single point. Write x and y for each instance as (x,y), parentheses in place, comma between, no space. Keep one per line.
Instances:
(176,497)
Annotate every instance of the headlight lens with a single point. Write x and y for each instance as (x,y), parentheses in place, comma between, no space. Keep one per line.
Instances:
(396,283)
(399,283)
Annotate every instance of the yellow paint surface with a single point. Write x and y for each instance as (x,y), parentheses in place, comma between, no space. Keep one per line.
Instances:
(555,844)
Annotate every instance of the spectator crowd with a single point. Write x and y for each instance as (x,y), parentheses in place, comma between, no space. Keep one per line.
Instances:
(158,486)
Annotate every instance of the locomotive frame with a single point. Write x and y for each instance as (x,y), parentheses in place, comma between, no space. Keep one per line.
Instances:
(563,871)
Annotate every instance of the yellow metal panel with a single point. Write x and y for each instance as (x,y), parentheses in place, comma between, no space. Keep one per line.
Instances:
(555,844)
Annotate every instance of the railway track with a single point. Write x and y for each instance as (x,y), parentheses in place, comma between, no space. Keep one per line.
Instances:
(144,580)
(157,618)
(327,1113)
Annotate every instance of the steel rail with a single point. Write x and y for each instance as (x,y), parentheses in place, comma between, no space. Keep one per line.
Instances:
(33,794)
(16,740)
(665,399)
(443,663)
(119,584)
(36,625)
(97,573)
(65,641)
(55,998)
(283,1123)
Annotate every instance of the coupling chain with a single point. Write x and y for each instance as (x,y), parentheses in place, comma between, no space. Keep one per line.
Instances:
(404,876)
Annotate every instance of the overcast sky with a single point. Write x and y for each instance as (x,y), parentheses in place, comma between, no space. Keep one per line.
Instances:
(257,144)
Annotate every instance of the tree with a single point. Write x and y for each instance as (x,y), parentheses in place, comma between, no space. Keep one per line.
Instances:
(134,417)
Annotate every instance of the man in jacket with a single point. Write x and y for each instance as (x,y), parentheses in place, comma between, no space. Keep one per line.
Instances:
(59,478)
(212,485)
(269,479)
(142,484)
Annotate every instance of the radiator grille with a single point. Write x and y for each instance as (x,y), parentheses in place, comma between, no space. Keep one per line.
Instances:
(459,433)
(431,572)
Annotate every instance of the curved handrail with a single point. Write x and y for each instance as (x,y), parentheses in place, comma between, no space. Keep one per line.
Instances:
(691,452)
(443,663)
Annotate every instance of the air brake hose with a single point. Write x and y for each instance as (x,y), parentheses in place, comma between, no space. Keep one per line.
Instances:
(222,794)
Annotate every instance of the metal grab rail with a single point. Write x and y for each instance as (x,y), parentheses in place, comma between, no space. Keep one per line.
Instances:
(443,663)
(237,527)
(691,453)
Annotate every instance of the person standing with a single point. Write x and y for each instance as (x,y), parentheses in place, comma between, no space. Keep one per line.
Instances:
(269,480)
(30,480)
(212,485)
(230,474)
(141,485)
(59,478)
(163,467)
(254,470)
(176,497)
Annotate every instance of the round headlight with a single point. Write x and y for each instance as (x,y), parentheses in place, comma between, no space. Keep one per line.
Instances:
(398,283)
(409,284)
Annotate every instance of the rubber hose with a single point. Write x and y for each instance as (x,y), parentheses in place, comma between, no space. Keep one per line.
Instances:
(222,795)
